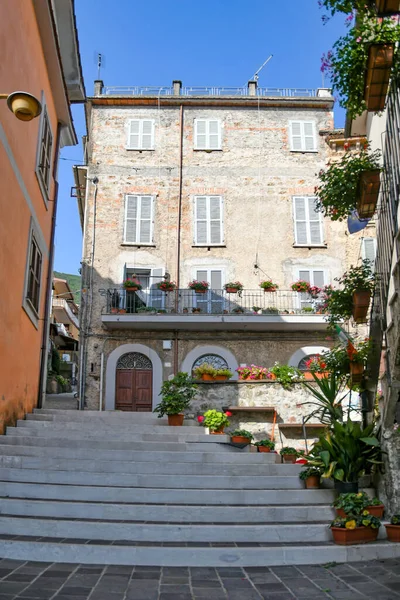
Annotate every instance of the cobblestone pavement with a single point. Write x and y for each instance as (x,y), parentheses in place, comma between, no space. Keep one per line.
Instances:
(378,580)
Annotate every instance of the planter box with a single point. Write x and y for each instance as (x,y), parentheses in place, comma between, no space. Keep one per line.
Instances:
(218,431)
(376,511)
(387,7)
(200,291)
(356,372)
(240,439)
(368,190)
(393,533)
(272,289)
(232,290)
(349,537)
(220,378)
(131,289)
(207,377)
(377,77)
(361,300)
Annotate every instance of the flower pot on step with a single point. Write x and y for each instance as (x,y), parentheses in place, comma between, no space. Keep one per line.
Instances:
(218,431)
(264,449)
(240,439)
(377,77)
(346,487)
(375,511)
(358,535)
(312,482)
(361,300)
(175,420)
(289,458)
(393,533)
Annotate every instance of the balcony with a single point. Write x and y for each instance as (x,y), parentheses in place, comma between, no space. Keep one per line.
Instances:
(63,312)
(184,309)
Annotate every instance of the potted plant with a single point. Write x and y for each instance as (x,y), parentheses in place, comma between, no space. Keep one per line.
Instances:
(177,393)
(345,185)
(311,477)
(222,374)
(301,286)
(215,420)
(205,371)
(393,529)
(132,285)
(352,530)
(354,297)
(355,504)
(200,287)
(241,436)
(269,286)
(147,309)
(358,357)
(253,373)
(238,310)
(233,287)
(166,286)
(286,375)
(289,454)
(265,445)
(367,48)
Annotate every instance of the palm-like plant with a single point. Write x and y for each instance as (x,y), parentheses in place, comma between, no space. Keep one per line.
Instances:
(328,398)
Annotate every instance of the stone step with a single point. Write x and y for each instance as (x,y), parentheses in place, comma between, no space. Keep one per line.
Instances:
(172,513)
(107,416)
(75,453)
(110,427)
(160,532)
(156,467)
(193,555)
(183,482)
(22,438)
(84,493)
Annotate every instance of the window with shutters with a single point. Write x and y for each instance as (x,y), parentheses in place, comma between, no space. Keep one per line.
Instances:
(139,220)
(140,134)
(302,136)
(33,274)
(368,250)
(308,223)
(213,301)
(44,155)
(207,134)
(208,221)
(149,296)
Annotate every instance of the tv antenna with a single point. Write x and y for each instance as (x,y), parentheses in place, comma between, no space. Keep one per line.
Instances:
(255,76)
(100,61)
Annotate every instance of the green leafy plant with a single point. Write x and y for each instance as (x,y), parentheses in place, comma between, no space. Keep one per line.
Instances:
(351,522)
(149,309)
(132,283)
(308,309)
(224,373)
(214,420)
(61,380)
(355,504)
(266,443)
(345,6)
(268,285)
(270,310)
(204,369)
(326,393)
(242,433)
(338,191)
(395,520)
(340,302)
(253,372)
(346,63)
(177,393)
(285,375)
(236,285)
(309,472)
(288,450)
(55,361)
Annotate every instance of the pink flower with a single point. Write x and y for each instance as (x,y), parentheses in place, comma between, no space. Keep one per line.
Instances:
(358,39)
(200,419)
(228,413)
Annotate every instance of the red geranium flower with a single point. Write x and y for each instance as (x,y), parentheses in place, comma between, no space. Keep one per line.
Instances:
(200,419)
(228,413)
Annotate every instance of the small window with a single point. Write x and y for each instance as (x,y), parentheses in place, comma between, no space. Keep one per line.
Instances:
(208,221)
(207,134)
(308,223)
(140,134)
(368,251)
(139,220)
(43,163)
(302,136)
(212,359)
(34,275)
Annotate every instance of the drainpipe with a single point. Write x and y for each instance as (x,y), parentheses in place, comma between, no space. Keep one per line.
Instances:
(178,246)
(49,280)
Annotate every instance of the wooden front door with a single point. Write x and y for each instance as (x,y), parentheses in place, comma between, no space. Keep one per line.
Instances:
(134,385)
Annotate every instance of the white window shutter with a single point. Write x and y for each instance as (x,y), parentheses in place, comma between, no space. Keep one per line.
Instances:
(131,214)
(305,276)
(318,279)
(201,275)
(216,280)
(296,135)
(147,141)
(134,134)
(315,222)
(200,134)
(214,135)
(200,215)
(146,205)
(300,219)
(309,141)
(215,220)
(368,250)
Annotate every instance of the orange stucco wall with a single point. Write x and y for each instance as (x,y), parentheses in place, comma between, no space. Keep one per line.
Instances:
(22,67)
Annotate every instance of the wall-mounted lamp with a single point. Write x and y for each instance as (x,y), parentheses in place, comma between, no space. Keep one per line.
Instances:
(24,106)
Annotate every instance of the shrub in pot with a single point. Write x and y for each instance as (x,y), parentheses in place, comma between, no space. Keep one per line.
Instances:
(233,287)
(289,454)
(356,504)
(215,420)
(177,394)
(393,529)
(206,372)
(241,436)
(222,374)
(311,477)
(132,285)
(269,286)
(265,445)
(286,375)
(355,529)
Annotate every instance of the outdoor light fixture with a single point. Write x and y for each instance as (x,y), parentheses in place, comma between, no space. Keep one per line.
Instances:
(24,106)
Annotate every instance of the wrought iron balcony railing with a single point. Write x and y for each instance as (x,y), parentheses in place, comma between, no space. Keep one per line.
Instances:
(212,302)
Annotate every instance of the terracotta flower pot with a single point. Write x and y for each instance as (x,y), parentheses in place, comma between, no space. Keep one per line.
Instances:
(271,289)
(218,431)
(240,439)
(393,533)
(230,290)
(377,77)
(375,511)
(200,291)
(263,449)
(358,535)
(312,482)
(175,420)
(131,289)
(220,378)
(122,311)
(289,458)
(114,311)
(361,300)
(207,377)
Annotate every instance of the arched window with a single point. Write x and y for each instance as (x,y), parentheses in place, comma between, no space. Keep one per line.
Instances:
(212,359)
(134,360)
(302,364)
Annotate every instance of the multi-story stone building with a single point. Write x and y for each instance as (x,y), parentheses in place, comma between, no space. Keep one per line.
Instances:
(207,184)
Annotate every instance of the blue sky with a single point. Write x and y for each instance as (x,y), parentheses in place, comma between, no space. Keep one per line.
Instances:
(201,42)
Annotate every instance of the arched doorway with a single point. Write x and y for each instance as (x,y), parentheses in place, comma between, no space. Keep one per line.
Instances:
(134,383)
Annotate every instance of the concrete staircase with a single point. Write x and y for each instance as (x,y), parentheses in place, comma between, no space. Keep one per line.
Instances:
(124,488)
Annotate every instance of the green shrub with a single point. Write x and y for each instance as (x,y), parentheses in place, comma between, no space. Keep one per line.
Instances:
(214,419)
(288,450)
(266,444)
(176,395)
(243,433)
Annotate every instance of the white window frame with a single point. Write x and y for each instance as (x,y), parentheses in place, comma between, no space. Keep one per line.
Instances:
(140,146)
(208,220)
(309,244)
(138,220)
(207,134)
(303,142)
(43,185)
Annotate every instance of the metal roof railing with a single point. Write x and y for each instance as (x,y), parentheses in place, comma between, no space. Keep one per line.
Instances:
(209,91)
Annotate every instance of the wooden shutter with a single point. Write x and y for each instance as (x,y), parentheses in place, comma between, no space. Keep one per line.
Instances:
(134,134)
(215,220)
(200,216)
(200,142)
(202,275)
(300,220)
(315,223)
(305,276)
(145,219)
(296,135)
(157,297)
(131,215)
